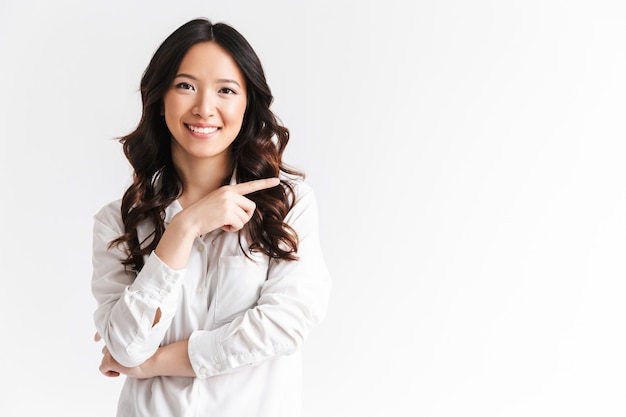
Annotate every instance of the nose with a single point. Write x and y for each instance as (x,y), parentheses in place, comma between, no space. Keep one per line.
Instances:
(204,106)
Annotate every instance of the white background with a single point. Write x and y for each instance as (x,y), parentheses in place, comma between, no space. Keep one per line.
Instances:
(468,158)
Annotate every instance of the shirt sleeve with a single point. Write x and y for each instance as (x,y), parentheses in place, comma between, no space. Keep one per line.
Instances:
(127,301)
(293,300)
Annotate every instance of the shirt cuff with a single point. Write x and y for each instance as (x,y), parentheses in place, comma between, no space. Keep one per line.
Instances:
(157,280)
(206,354)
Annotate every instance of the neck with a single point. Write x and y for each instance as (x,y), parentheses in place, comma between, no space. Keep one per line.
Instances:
(200,179)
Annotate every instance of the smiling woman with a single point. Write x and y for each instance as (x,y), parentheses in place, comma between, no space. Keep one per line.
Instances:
(208,273)
(205,105)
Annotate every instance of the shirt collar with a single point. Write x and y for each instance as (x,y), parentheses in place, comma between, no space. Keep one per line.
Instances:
(172,210)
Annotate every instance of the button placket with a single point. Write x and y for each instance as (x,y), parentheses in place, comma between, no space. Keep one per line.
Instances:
(199,288)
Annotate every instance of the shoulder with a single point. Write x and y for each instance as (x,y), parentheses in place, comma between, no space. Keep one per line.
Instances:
(303,202)
(299,189)
(110,215)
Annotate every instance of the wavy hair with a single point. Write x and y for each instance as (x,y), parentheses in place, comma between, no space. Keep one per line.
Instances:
(256,152)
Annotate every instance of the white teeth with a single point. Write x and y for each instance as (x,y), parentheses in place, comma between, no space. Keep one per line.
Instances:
(203,130)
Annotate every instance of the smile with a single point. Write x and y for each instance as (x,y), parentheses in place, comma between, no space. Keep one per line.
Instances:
(202,130)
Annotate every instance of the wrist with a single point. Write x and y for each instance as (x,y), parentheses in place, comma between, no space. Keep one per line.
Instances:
(176,243)
(149,369)
(184,226)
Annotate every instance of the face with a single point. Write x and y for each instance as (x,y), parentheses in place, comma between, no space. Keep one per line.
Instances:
(205,104)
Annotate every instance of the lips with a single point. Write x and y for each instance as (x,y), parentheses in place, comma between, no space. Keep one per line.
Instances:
(203,130)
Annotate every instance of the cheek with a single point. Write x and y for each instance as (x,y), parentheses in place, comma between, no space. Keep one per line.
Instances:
(171,111)
(169,121)
(238,111)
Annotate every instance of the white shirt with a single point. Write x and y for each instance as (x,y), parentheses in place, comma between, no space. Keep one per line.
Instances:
(245,320)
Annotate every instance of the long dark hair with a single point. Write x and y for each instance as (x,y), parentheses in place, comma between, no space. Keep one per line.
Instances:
(256,151)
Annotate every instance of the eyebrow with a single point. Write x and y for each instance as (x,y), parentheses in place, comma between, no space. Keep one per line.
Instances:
(221,80)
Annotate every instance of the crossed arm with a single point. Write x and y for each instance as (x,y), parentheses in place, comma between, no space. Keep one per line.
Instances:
(169,360)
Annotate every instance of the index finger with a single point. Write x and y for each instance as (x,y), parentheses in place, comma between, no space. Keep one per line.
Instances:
(248,187)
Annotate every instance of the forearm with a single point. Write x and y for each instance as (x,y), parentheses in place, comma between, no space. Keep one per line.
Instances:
(133,325)
(170,360)
(175,244)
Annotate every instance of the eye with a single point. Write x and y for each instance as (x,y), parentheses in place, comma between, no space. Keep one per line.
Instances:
(185,86)
(226,90)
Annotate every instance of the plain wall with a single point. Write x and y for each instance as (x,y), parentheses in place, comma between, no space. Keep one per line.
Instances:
(468,158)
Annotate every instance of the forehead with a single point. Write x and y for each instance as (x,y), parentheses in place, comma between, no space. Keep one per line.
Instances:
(209,60)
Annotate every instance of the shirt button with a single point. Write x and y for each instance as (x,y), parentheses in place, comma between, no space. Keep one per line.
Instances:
(199,290)
(169,277)
(203,372)
(163,292)
(218,366)
(200,248)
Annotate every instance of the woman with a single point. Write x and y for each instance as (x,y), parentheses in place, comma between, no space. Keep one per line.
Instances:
(208,273)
